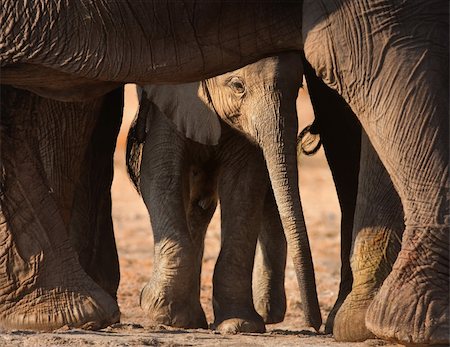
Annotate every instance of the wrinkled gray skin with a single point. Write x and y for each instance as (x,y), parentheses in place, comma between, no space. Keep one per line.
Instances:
(69,148)
(388,60)
(181,181)
(372,214)
(396,82)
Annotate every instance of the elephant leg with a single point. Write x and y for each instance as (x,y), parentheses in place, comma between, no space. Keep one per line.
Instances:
(43,284)
(82,187)
(412,305)
(269,293)
(377,239)
(340,133)
(242,189)
(202,196)
(202,202)
(396,81)
(408,127)
(172,296)
(91,227)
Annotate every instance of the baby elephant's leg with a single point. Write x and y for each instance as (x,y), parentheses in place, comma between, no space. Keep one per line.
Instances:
(171,296)
(269,293)
(242,188)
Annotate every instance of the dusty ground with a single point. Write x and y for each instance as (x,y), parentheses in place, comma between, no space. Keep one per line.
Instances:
(134,242)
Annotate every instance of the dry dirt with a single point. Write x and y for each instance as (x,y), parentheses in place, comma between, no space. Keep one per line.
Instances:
(135,242)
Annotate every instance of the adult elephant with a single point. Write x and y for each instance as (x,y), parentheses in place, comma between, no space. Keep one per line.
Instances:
(388,60)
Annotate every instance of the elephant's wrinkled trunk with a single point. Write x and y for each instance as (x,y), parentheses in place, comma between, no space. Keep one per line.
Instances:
(277,137)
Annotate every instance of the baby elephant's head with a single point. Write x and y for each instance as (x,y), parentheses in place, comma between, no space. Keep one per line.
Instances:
(258,99)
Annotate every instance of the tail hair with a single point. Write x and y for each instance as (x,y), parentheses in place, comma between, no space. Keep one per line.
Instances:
(135,146)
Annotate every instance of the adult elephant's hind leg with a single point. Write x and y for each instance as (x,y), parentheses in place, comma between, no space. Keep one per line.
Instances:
(91,227)
(377,238)
(43,285)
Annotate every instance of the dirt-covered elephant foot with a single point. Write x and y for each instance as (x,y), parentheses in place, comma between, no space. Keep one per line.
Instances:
(240,325)
(378,229)
(272,309)
(41,303)
(175,313)
(374,252)
(43,286)
(412,306)
(172,296)
(349,321)
(46,288)
(249,322)
(349,324)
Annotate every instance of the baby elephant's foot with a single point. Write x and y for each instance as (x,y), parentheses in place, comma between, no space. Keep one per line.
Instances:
(240,325)
(179,312)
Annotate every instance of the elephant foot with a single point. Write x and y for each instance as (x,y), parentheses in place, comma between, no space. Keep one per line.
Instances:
(237,319)
(42,296)
(269,294)
(176,312)
(240,325)
(271,311)
(349,322)
(47,309)
(343,293)
(329,324)
(412,306)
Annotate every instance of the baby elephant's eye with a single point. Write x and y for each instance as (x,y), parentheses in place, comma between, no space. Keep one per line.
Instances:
(237,85)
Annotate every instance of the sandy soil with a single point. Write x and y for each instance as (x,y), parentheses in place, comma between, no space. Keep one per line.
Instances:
(135,242)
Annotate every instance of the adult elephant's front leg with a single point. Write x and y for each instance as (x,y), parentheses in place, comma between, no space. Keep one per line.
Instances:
(43,284)
(376,242)
(242,188)
(412,305)
(172,296)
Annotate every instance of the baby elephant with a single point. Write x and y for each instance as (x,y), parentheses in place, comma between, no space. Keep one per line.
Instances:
(181,181)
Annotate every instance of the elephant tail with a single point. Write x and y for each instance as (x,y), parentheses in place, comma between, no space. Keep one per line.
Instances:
(135,146)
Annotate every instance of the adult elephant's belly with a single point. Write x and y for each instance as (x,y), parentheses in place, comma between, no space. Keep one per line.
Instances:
(54,84)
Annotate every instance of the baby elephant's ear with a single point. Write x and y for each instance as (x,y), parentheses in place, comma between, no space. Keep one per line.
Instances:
(188,109)
(195,117)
